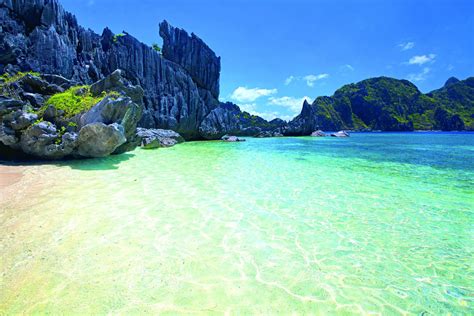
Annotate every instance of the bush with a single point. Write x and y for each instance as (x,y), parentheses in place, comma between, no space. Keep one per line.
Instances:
(75,100)
(156,47)
(117,36)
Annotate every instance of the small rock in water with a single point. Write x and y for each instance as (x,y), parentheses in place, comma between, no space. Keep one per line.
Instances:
(318,133)
(232,139)
(340,134)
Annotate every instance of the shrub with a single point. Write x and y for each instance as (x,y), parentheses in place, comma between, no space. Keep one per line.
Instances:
(156,47)
(73,101)
(117,36)
(7,80)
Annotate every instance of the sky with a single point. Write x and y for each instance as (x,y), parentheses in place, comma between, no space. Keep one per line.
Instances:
(276,53)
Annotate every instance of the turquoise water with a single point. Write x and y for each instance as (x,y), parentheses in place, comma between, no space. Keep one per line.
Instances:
(374,224)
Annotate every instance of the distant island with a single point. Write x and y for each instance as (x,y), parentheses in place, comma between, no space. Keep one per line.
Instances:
(69,92)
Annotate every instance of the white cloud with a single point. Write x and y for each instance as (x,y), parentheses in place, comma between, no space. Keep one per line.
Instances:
(293,104)
(311,79)
(249,107)
(252,109)
(289,80)
(406,45)
(243,94)
(347,67)
(422,59)
(419,76)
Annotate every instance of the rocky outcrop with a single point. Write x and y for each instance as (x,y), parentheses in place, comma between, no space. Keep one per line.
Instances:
(157,138)
(39,130)
(193,55)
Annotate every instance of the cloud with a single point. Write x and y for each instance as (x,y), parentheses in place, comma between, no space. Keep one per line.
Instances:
(422,59)
(419,76)
(243,94)
(289,80)
(347,67)
(293,104)
(311,79)
(406,45)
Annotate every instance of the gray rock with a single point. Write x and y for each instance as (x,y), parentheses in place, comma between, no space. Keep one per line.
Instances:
(116,82)
(23,120)
(7,136)
(100,140)
(43,141)
(35,99)
(156,138)
(232,139)
(318,133)
(8,105)
(193,55)
(340,134)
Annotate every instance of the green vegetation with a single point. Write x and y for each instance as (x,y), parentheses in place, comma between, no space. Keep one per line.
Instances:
(117,36)
(156,47)
(397,105)
(75,100)
(6,80)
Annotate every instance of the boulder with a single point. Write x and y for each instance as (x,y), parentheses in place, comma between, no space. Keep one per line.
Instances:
(318,133)
(156,138)
(100,140)
(340,134)
(42,140)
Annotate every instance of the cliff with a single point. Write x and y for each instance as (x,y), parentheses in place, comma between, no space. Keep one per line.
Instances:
(181,86)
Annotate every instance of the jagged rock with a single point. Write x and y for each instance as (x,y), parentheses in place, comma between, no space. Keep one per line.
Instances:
(318,133)
(193,55)
(34,84)
(156,138)
(116,82)
(99,140)
(43,141)
(35,99)
(8,105)
(23,120)
(232,139)
(340,134)
(7,136)
(59,81)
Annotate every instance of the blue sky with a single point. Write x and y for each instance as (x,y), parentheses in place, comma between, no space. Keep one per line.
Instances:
(275,53)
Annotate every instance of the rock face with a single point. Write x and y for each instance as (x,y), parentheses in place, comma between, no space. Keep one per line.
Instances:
(180,87)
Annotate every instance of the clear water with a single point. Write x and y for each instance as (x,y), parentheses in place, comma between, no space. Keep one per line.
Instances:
(374,224)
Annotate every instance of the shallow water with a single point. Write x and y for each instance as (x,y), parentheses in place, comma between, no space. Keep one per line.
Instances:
(378,223)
